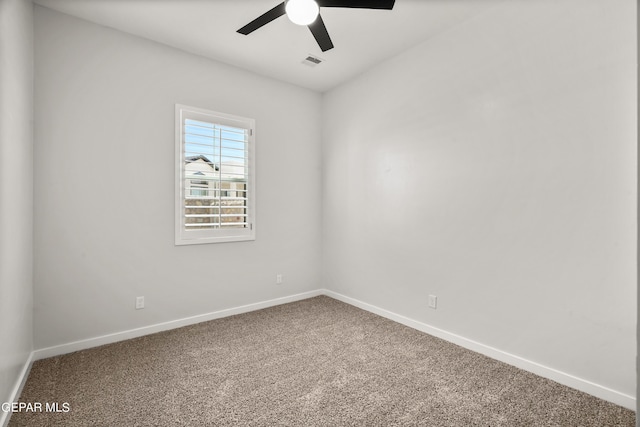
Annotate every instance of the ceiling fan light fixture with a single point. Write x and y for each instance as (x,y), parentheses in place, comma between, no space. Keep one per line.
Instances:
(302,12)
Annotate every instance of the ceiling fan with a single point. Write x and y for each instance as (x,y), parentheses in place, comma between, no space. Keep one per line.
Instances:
(307,12)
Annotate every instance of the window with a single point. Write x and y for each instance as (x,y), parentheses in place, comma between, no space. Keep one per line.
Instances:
(215,189)
(198,188)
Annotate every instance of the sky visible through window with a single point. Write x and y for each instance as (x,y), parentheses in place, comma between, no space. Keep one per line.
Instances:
(218,143)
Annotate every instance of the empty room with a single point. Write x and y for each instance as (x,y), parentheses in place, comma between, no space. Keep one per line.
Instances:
(318,213)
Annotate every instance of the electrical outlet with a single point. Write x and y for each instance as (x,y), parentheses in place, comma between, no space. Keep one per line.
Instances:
(279,279)
(139,303)
(433,301)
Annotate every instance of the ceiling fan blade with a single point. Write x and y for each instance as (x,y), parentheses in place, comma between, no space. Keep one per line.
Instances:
(263,19)
(321,34)
(363,4)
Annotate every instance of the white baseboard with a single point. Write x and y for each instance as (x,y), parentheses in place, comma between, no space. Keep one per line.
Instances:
(159,327)
(17,389)
(563,378)
(517,361)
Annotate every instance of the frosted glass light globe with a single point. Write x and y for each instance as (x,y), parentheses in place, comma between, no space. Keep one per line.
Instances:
(302,12)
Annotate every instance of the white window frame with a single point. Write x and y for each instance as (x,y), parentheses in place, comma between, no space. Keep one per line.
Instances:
(218,235)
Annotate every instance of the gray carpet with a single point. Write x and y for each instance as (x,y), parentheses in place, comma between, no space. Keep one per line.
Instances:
(317,362)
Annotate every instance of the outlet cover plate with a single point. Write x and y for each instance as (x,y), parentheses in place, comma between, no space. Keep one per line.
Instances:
(433,301)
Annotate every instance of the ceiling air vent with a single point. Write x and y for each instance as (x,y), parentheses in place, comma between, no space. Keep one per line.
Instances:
(312,61)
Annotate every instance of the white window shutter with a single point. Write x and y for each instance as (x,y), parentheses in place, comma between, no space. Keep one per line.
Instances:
(215,177)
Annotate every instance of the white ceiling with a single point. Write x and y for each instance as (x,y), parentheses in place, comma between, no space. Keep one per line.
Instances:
(362,37)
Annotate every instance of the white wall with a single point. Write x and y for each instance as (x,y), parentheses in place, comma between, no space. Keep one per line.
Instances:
(104,120)
(495,167)
(16,191)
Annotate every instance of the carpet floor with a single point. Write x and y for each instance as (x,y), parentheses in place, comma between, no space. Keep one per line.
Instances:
(316,362)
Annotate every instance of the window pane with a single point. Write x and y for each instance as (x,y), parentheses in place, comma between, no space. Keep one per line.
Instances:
(217,155)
